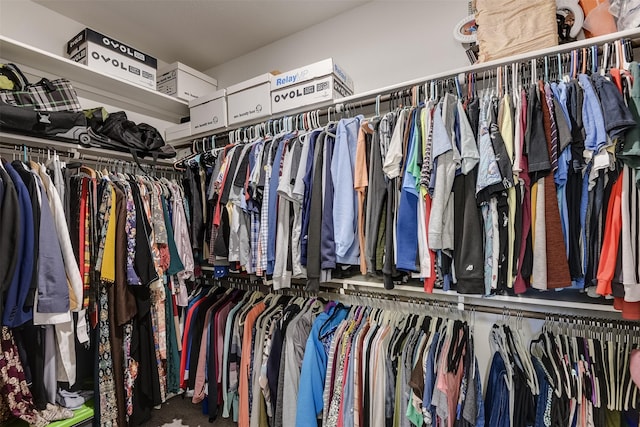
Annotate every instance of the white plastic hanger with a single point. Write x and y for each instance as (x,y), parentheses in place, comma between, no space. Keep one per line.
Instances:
(377,107)
(605,59)
(313,120)
(515,82)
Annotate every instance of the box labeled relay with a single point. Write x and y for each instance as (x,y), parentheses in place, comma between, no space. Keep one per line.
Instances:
(313,71)
(311,92)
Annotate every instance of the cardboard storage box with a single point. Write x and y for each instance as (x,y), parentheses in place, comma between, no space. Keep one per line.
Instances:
(208,112)
(318,82)
(311,92)
(184,82)
(110,56)
(322,68)
(250,99)
(172,133)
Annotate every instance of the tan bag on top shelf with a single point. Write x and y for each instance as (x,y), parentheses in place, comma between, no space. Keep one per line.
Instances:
(510,27)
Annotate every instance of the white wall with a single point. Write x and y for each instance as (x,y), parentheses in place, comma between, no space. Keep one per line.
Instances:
(38,26)
(379,44)
(35,25)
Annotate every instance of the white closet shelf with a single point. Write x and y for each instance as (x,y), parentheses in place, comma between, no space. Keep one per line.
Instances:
(93,84)
(78,150)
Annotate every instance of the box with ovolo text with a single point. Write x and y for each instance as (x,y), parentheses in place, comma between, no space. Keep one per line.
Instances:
(311,92)
(321,81)
(108,55)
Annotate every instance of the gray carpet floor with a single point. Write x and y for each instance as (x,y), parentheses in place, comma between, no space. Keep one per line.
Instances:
(178,412)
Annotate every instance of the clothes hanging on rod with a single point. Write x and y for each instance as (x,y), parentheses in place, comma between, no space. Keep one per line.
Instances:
(574,373)
(508,189)
(397,196)
(98,264)
(276,359)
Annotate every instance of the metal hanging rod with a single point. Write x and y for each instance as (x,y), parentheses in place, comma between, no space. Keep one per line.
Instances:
(530,314)
(403,91)
(39,146)
(129,162)
(38,151)
(246,284)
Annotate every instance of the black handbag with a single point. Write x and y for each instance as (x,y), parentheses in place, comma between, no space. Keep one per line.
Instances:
(46,95)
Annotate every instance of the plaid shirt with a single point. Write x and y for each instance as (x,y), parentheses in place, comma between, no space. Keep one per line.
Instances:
(261,265)
(254,204)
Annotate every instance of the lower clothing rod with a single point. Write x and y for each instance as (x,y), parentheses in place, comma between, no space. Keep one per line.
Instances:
(298,290)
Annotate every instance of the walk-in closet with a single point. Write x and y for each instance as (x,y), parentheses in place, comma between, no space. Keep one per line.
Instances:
(299,214)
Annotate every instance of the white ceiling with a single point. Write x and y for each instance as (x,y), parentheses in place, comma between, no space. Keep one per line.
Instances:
(199,33)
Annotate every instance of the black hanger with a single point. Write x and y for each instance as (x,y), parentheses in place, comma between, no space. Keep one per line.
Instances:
(413,320)
(512,349)
(545,360)
(324,301)
(409,325)
(339,306)
(457,346)
(426,323)
(439,321)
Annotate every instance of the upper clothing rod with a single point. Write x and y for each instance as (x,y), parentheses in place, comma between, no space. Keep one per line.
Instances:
(42,146)
(369,98)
